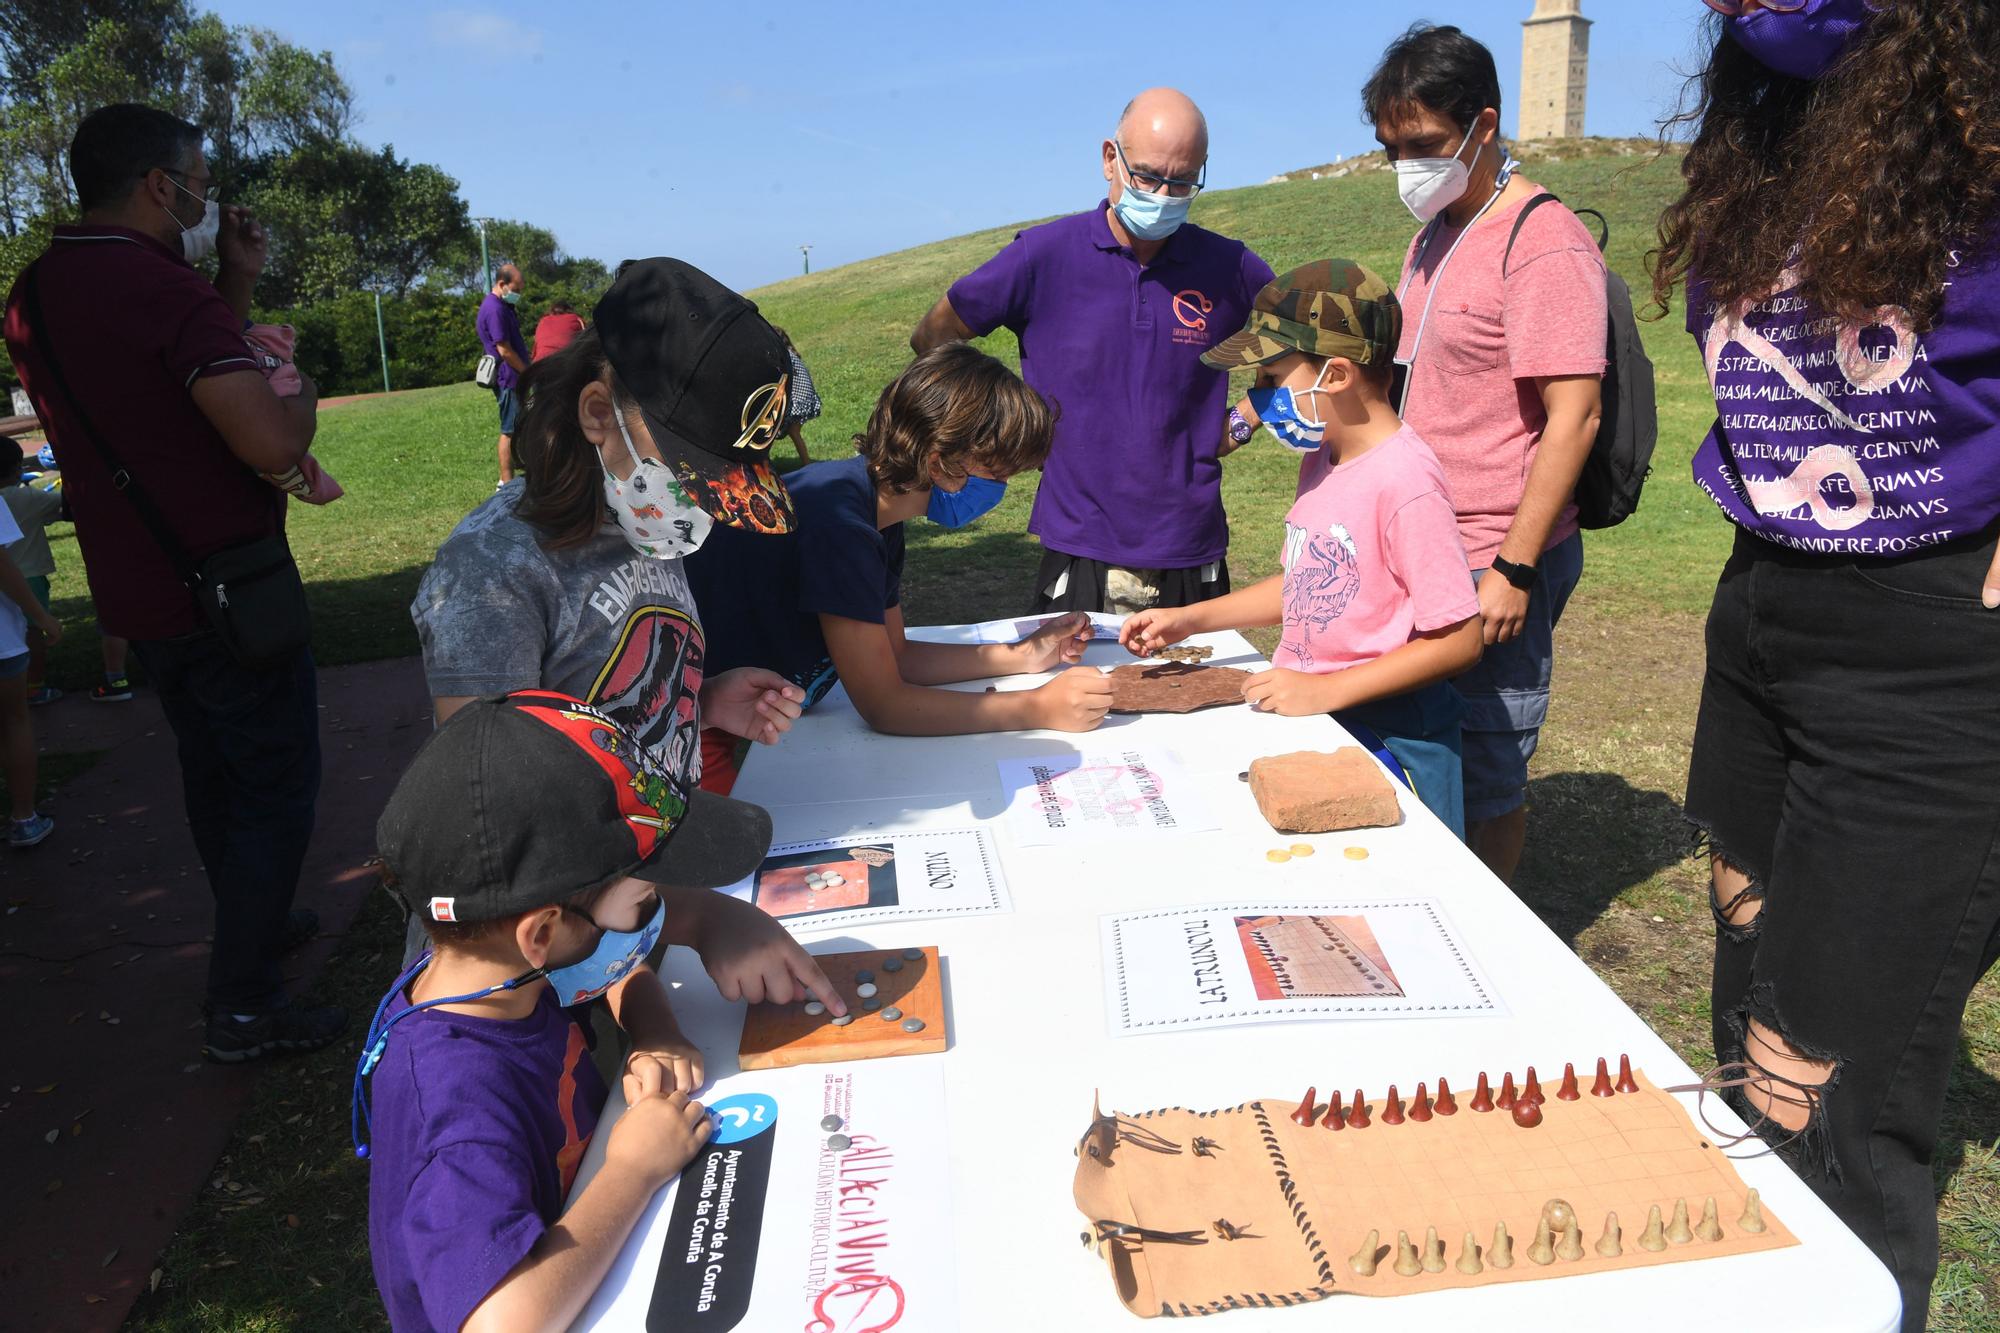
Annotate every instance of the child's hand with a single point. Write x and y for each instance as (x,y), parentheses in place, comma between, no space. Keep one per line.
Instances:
(676,1060)
(1059,643)
(659,1133)
(753,703)
(751,957)
(50,627)
(1289,693)
(1145,631)
(1077,700)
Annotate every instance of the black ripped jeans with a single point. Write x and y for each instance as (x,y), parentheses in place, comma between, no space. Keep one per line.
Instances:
(1847,760)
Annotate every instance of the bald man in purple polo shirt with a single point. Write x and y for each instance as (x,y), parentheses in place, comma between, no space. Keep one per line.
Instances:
(1113,308)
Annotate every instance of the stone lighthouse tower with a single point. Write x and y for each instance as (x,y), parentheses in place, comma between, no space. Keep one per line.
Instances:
(1555,61)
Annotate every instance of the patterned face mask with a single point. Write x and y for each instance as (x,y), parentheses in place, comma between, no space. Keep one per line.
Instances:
(652,508)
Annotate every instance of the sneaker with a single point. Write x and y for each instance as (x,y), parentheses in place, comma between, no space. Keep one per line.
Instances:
(112,691)
(295,1027)
(25,833)
(43,694)
(300,927)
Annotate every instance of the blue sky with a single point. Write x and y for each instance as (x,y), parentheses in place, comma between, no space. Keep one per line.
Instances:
(730,133)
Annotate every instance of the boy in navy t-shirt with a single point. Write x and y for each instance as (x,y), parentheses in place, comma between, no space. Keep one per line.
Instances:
(944,438)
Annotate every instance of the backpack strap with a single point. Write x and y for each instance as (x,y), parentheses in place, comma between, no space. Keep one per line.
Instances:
(1543,198)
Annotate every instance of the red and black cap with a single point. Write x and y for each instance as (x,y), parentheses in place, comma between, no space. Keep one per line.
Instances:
(530,798)
(710,376)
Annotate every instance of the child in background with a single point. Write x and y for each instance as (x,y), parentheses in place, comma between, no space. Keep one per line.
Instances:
(1376,602)
(19,608)
(484,1094)
(33,508)
(944,438)
(273,345)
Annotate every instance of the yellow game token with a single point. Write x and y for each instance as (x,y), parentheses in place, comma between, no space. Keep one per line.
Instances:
(1356,853)
(1302,849)
(1277,854)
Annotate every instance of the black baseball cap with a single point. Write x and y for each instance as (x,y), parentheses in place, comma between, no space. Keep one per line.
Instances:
(711,377)
(530,798)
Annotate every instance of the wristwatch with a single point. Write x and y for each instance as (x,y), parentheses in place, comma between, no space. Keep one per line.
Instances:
(1521,576)
(1240,429)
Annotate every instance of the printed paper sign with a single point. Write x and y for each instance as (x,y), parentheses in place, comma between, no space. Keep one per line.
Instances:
(1227,964)
(840,882)
(1091,798)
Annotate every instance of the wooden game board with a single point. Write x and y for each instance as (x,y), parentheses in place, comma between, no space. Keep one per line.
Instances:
(1171,687)
(777,1035)
(1310,957)
(1306,1197)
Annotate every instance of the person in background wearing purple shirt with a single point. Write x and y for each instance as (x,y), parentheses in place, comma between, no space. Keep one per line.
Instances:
(1113,308)
(1838,234)
(500,335)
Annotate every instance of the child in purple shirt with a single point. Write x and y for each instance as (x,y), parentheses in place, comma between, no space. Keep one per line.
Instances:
(484,1097)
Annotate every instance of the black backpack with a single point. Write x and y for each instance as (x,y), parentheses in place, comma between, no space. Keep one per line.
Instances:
(1621,458)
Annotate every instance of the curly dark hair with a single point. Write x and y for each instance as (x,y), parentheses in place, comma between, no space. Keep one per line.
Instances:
(1865,178)
(953,405)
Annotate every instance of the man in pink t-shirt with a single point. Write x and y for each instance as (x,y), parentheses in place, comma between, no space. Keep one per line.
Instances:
(1376,601)
(1505,355)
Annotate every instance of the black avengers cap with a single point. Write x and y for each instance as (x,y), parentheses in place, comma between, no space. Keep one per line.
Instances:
(710,377)
(527,799)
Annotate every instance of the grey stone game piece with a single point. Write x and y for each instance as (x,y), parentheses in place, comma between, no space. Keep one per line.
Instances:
(891,1014)
(892,964)
(864,975)
(815,1008)
(830,1122)
(865,989)
(913,1025)
(913,955)
(839,1142)
(872,1003)
(844,1019)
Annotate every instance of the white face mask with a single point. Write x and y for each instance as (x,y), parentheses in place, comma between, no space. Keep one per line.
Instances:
(1430,185)
(198,241)
(653,510)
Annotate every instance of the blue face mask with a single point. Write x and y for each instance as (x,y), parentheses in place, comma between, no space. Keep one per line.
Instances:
(1802,43)
(616,954)
(1150,217)
(1278,409)
(955,509)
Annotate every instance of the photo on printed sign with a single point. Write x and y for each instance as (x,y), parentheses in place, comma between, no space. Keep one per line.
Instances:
(835,879)
(1310,957)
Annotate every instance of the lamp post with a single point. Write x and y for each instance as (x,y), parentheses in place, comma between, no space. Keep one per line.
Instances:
(485,264)
(805,253)
(382,342)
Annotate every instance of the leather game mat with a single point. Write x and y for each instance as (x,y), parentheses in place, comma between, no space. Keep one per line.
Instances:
(1173,687)
(1265,1212)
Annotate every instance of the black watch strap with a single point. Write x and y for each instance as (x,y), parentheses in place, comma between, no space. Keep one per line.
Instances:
(1521,576)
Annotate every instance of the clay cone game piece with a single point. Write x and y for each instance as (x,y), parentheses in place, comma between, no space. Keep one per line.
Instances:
(1407,1262)
(1543,1251)
(1446,1104)
(1710,1226)
(1334,1118)
(1602,1087)
(1358,1117)
(1363,1260)
(1505,1101)
(1502,1253)
(1677,1230)
(1420,1105)
(1655,1235)
(1392,1109)
(1609,1244)
(1468,1257)
(1572,1242)
(1433,1252)
(1304,1115)
(1482,1097)
(1527,1114)
(1752,1220)
(1626,1083)
(1567,1092)
(1532,1089)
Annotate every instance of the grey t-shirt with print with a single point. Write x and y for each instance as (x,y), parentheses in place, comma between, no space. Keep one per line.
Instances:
(498,612)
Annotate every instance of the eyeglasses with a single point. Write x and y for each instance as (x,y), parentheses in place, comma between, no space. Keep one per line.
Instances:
(207,191)
(1152,183)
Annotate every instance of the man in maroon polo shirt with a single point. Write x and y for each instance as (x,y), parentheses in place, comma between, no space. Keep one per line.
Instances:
(154,356)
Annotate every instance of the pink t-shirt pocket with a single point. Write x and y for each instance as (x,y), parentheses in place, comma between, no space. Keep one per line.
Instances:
(1467,339)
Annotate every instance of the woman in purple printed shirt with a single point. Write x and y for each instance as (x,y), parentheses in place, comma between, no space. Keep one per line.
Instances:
(1837,234)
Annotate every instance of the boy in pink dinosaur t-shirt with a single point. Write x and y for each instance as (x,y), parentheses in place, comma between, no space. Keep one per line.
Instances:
(1376,600)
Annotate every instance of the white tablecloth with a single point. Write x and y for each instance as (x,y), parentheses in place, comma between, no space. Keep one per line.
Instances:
(1029,1044)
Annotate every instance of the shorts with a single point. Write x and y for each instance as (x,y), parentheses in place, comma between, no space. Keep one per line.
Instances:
(13,667)
(510,409)
(1506,696)
(39,585)
(1077,583)
(719,750)
(1420,733)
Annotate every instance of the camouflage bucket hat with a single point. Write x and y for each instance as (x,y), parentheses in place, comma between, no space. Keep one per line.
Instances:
(1331,307)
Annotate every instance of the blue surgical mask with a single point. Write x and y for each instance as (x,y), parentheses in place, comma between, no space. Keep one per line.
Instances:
(1150,217)
(616,954)
(511,298)
(1801,43)
(955,509)
(1279,410)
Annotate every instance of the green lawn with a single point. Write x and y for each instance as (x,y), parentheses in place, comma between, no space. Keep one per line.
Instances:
(1607,867)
